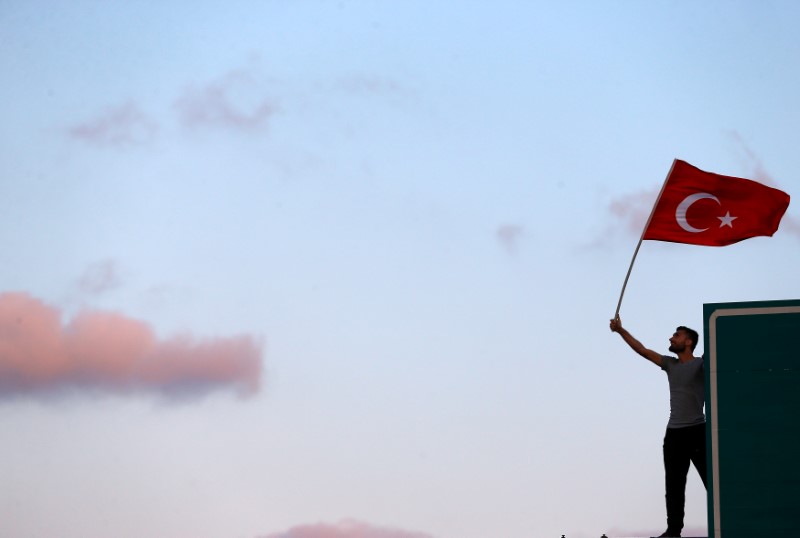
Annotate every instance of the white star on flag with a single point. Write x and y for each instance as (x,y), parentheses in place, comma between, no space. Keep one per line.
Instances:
(727,220)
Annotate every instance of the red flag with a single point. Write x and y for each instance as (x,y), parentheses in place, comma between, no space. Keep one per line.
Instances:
(702,208)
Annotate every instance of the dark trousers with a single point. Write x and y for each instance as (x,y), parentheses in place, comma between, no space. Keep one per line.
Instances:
(681,446)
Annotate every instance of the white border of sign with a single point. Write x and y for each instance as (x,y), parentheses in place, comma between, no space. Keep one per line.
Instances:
(712,364)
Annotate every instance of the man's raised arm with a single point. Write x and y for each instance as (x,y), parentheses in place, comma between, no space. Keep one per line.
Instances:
(649,354)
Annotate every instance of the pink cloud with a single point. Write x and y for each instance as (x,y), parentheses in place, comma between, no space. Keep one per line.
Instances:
(633,209)
(751,162)
(110,352)
(346,529)
(756,170)
(122,125)
(509,236)
(629,212)
(234,102)
(790,225)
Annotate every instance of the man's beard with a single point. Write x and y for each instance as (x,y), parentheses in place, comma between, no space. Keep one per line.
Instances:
(675,349)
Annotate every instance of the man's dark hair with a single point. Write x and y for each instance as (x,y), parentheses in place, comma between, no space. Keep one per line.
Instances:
(691,333)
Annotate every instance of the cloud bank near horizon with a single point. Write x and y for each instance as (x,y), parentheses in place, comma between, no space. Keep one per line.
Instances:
(108,352)
(346,529)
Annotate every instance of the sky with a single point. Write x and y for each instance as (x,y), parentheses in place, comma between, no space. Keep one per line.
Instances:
(309,269)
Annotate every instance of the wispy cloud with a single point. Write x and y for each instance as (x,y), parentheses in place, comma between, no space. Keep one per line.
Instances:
(628,214)
(371,84)
(345,529)
(109,352)
(509,236)
(790,225)
(99,277)
(235,101)
(633,209)
(754,169)
(122,125)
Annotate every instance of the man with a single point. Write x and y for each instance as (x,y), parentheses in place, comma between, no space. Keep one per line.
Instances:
(685,439)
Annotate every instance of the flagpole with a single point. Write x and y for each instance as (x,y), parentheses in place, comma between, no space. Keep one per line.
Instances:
(641,238)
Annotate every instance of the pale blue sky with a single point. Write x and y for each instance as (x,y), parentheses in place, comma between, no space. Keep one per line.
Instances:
(408,206)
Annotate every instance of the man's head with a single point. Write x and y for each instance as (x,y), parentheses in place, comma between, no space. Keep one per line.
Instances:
(683,337)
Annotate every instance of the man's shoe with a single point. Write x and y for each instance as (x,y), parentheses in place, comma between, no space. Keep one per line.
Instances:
(670,534)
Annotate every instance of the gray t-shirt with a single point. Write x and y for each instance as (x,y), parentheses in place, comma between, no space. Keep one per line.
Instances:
(686,391)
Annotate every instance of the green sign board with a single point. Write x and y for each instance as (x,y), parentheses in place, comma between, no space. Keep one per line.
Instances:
(752,372)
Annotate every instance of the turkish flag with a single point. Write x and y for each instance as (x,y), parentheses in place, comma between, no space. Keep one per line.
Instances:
(702,208)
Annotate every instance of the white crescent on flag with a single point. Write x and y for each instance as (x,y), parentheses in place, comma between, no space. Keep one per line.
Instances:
(683,207)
